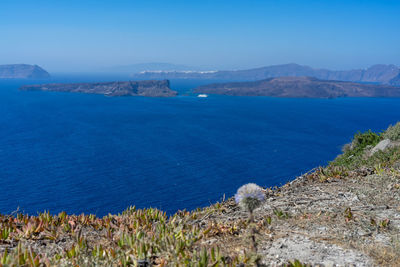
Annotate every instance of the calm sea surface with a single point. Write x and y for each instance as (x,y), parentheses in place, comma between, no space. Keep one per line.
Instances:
(96,154)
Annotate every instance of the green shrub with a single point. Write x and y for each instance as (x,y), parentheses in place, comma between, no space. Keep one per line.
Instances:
(392,133)
(362,140)
(353,155)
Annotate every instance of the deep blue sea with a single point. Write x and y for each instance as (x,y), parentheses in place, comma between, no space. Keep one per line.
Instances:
(96,154)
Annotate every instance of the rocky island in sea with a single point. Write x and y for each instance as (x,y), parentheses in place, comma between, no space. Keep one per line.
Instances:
(300,87)
(22,71)
(151,88)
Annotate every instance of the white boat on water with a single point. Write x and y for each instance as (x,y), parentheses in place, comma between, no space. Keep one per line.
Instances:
(202,95)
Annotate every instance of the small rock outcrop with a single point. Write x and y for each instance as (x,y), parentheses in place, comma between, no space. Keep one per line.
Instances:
(22,71)
(383,145)
(128,88)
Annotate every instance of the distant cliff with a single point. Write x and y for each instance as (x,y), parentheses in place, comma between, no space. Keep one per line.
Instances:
(375,74)
(22,71)
(128,88)
(300,87)
(395,81)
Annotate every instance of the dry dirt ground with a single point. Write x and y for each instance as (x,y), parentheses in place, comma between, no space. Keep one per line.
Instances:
(348,220)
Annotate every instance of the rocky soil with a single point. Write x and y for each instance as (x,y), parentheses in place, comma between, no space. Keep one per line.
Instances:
(351,220)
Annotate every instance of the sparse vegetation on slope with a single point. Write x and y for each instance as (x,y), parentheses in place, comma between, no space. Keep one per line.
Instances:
(132,238)
(392,133)
(358,152)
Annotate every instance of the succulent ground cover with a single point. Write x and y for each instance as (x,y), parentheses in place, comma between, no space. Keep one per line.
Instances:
(347,213)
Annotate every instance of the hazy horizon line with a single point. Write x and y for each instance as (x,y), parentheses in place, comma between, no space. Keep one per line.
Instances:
(114,68)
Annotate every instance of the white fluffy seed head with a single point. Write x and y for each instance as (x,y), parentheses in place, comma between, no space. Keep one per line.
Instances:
(249,196)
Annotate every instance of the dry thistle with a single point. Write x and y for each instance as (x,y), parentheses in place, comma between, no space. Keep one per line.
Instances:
(249,197)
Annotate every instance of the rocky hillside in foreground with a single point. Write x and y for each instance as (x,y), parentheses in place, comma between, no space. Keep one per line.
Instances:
(22,71)
(382,74)
(344,214)
(128,88)
(300,87)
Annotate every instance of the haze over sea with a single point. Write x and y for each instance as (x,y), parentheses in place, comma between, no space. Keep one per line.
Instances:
(97,154)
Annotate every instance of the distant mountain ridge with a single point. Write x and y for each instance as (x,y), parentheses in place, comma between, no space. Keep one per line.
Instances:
(382,74)
(22,71)
(300,87)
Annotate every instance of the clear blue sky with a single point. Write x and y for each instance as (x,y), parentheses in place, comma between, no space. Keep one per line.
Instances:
(82,35)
